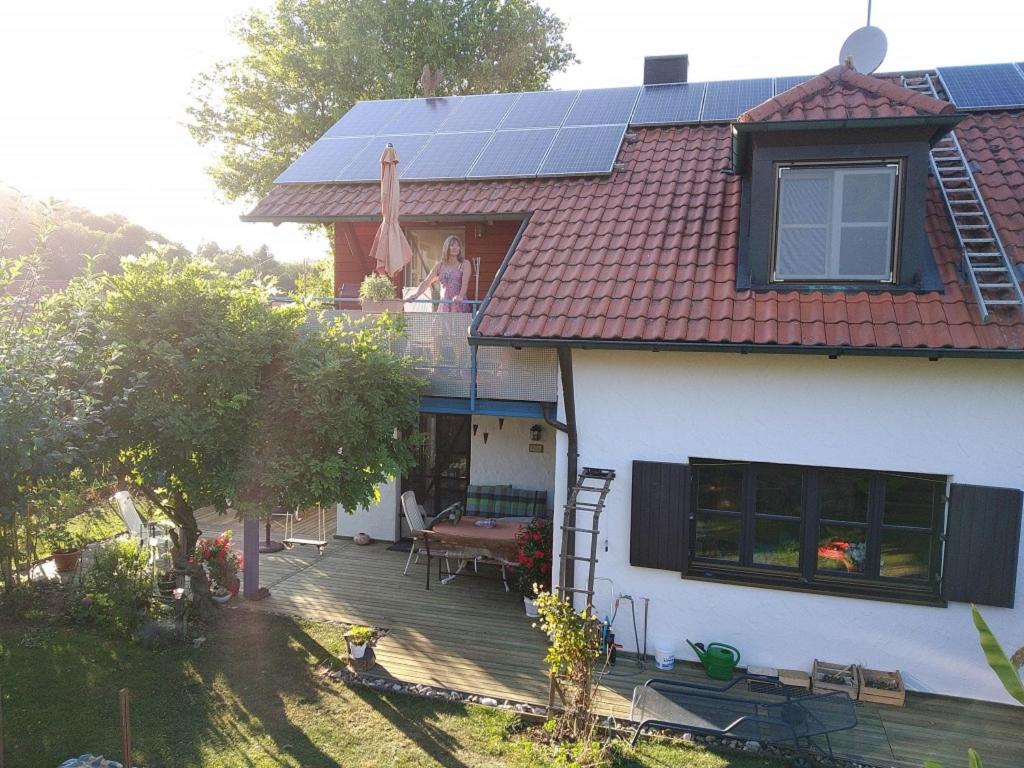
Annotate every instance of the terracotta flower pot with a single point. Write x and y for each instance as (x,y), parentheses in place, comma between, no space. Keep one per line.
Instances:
(66,560)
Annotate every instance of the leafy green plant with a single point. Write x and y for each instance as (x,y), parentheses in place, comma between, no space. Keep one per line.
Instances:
(117,588)
(574,648)
(997,659)
(360,635)
(376,288)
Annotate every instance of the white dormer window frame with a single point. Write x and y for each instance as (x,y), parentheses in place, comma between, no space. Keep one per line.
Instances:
(836,223)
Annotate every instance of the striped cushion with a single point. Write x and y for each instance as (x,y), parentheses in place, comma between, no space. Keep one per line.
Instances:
(518,502)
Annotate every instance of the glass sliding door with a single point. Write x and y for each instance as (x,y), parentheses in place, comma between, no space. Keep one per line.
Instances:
(441,474)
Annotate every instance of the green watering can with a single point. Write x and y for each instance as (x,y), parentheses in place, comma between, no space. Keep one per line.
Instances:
(719,659)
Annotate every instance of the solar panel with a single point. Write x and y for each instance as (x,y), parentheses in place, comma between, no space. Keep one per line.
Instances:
(727,100)
(447,156)
(367,117)
(981,87)
(480,113)
(582,150)
(540,109)
(421,116)
(324,160)
(513,153)
(603,106)
(666,104)
(365,166)
(785,83)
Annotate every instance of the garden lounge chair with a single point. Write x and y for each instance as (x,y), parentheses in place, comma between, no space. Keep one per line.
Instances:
(417,525)
(153,536)
(769,715)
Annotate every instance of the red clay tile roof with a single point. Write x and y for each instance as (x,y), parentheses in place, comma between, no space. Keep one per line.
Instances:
(649,253)
(842,93)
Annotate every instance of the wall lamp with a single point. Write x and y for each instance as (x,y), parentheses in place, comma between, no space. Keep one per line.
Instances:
(535,432)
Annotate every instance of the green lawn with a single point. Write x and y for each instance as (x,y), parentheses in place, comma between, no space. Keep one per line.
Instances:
(251,695)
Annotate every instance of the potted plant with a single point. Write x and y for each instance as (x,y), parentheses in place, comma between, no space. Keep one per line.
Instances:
(533,559)
(66,548)
(377,294)
(359,638)
(222,564)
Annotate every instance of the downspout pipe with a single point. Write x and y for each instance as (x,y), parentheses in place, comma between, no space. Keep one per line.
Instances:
(572,451)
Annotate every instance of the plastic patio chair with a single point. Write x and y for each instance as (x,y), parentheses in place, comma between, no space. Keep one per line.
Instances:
(417,525)
(144,533)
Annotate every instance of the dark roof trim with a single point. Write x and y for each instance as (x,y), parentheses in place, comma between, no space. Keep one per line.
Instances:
(943,124)
(507,216)
(497,278)
(460,405)
(743,349)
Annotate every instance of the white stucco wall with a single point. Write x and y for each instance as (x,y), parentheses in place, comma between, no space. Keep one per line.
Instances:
(506,458)
(379,521)
(962,418)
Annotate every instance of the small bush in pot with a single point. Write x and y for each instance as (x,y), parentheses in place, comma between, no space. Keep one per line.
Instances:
(221,561)
(359,638)
(377,294)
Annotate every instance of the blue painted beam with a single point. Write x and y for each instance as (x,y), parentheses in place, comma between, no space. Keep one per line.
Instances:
(483,407)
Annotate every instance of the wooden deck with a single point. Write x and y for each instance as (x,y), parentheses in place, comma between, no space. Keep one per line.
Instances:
(472,636)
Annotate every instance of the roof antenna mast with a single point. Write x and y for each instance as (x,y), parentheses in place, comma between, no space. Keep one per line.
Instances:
(865,48)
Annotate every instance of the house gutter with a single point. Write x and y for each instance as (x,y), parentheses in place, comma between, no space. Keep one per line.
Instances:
(571,453)
(932,353)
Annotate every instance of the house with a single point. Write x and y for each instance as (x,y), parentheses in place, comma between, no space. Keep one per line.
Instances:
(776,308)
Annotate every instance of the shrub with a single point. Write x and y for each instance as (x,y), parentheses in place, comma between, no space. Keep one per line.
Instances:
(533,557)
(221,561)
(117,588)
(376,288)
(574,648)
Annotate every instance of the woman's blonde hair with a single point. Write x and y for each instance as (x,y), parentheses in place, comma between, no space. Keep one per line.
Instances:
(448,244)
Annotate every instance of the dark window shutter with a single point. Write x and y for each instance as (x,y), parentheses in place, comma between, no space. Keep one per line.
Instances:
(982,545)
(660,517)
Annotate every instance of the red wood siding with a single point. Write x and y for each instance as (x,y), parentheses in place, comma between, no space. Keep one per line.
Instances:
(352,242)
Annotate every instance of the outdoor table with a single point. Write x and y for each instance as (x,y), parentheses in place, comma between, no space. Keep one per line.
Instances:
(497,543)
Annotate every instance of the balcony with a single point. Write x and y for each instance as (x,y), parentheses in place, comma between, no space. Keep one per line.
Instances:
(438,342)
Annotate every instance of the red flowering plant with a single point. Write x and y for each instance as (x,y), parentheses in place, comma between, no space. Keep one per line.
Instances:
(534,558)
(221,561)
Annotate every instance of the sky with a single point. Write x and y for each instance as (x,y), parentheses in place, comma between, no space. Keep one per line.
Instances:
(93,94)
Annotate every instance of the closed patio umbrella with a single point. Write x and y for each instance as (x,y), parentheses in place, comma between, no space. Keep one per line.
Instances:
(390,249)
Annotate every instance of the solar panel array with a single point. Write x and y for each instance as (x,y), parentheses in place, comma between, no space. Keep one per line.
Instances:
(562,133)
(988,86)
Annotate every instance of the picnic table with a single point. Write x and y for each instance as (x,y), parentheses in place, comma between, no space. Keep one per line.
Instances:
(495,544)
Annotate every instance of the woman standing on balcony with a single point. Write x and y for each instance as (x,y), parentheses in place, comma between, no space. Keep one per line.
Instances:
(454,272)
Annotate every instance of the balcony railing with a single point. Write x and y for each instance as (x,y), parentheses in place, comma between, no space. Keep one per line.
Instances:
(439,342)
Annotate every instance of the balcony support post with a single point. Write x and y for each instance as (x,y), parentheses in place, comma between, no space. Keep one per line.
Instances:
(472,378)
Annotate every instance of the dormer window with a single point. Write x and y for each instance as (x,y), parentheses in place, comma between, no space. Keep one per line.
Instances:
(836,223)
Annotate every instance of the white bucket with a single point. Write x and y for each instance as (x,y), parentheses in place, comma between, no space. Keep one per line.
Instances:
(664,657)
(358,651)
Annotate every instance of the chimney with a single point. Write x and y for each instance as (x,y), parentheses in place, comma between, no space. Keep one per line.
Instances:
(659,70)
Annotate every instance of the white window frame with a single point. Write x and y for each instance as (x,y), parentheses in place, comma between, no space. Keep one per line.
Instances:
(835,224)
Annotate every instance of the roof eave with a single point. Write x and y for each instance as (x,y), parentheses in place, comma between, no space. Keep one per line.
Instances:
(932,353)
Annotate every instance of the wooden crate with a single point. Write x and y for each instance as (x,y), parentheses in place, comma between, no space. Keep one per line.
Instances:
(795,678)
(880,687)
(825,676)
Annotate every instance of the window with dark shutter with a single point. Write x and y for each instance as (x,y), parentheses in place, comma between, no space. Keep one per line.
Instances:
(982,545)
(660,516)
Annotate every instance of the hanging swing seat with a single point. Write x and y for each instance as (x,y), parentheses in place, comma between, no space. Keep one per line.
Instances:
(291,540)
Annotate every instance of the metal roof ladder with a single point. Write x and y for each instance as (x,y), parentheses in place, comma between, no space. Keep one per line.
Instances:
(985,265)
(587,496)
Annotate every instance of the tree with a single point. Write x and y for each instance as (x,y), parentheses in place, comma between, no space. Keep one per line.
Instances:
(229,396)
(333,419)
(308,61)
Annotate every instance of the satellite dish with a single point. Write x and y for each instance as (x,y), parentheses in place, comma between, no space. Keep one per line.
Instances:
(866,47)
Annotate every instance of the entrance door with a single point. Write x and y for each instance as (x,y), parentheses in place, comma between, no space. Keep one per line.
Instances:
(441,473)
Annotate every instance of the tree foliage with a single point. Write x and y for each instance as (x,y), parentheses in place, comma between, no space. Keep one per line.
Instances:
(307,62)
(333,419)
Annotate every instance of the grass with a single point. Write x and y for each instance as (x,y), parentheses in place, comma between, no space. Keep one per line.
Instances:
(252,695)
(97,524)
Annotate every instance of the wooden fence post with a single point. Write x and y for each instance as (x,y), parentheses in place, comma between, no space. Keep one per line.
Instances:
(126,730)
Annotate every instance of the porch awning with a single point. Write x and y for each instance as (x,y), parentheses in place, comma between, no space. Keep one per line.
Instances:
(511,408)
